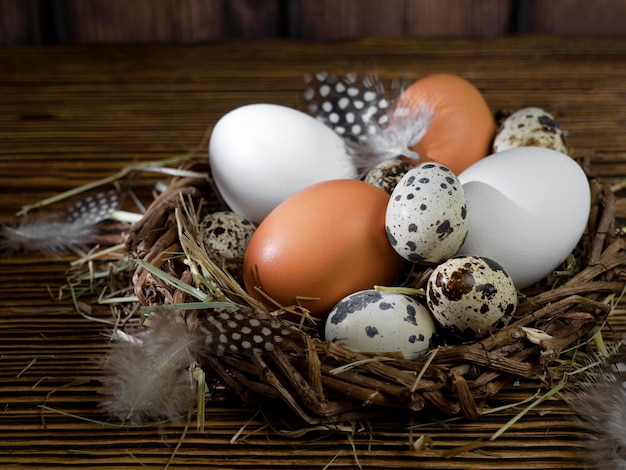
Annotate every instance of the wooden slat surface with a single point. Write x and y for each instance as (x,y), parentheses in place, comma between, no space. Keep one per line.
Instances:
(70,115)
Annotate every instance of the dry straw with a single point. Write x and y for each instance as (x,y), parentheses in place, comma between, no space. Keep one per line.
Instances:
(322,383)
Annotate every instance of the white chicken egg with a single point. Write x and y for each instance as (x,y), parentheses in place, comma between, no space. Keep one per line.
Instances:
(529,207)
(426,217)
(530,127)
(468,295)
(262,153)
(376,322)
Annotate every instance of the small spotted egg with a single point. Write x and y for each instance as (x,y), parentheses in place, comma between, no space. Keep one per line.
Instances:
(381,323)
(387,174)
(426,217)
(225,236)
(469,295)
(530,127)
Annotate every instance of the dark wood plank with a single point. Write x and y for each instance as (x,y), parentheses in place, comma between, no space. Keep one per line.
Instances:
(174,21)
(600,17)
(341,19)
(185,21)
(23,22)
(71,115)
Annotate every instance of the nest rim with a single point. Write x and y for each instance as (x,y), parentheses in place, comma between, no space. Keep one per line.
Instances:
(455,379)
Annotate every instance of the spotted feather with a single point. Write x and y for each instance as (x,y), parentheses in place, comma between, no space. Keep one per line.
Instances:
(374,127)
(242,332)
(53,233)
(354,107)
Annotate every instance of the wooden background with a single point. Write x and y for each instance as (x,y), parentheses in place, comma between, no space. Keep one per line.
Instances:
(70,115)
(191,21)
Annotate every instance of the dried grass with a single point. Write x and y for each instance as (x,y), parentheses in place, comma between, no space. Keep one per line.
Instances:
(557,328)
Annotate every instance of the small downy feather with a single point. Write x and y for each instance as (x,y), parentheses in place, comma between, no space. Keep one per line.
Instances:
(601,411)
(52,233)
(405,129)
(374,128)
(147,376)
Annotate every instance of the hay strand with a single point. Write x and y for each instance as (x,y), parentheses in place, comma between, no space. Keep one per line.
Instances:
(324,383)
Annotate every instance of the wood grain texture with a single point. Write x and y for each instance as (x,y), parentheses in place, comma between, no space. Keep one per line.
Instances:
(190,21)
(71,115)
(23,22)
(341,19)
(600,17)
(115,21)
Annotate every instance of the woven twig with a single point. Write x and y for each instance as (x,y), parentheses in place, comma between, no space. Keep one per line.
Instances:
(323,382)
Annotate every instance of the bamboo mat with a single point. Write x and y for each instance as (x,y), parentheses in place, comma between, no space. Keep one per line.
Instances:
(71,115)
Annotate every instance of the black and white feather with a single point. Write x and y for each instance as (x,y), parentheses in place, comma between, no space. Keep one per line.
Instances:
(601,411)
(52,233)
(148,374)
(358,109)
(354,107)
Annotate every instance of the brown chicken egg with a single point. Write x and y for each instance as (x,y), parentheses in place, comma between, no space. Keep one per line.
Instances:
(462,127)
(320,245)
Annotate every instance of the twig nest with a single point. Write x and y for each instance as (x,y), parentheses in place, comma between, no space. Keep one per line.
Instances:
(468,295)
(325,382)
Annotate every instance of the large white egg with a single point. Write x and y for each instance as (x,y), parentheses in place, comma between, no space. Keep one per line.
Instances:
(529,207)
(260,154)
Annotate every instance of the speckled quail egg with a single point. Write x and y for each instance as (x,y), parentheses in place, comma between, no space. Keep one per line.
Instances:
(469,295)
(530,127)
(426,218)
(381,323)
(387,174)
(225,236)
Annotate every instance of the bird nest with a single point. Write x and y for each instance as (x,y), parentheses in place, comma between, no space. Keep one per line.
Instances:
(256,353)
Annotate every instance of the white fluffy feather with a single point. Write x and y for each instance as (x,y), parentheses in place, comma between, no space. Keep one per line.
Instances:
(148,375)
(404,129)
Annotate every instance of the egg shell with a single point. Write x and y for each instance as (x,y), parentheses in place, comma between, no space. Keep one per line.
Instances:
(387,175)
(381,322)
(462,127)
(529,207)
(324,242)
(426,218)
(468,295)
(225,236)
(260,154)
(530,127)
